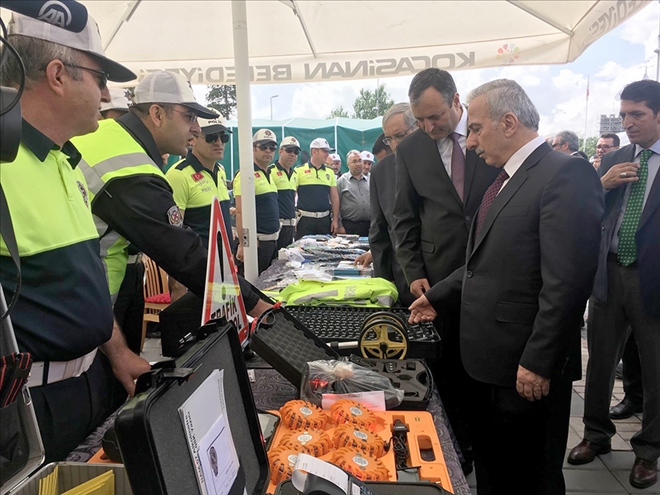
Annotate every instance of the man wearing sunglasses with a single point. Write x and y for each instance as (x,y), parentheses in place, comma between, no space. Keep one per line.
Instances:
(198,177)
(130,197)
(317,193)
(63,316)
(284,178)
(266,202)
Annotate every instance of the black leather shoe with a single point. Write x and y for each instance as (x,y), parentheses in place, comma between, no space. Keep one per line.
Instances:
(644,473)
(624,409)
(585,452)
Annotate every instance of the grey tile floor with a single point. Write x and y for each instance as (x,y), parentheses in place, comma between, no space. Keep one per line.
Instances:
(607,475)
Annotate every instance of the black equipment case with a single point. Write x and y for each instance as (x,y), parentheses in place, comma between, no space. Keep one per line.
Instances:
(152,438)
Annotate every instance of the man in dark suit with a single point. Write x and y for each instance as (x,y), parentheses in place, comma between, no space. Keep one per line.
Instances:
(531,259)
(438,190)
(398,122)
(627,286)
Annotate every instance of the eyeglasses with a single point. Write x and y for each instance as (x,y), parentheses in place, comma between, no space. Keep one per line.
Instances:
(191,117)
(295,151)
(399,136)
(212,138)
(604,147)
(269,147)
(103,76)
(355,161)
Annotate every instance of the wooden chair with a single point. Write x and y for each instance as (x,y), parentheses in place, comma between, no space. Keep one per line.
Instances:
(156,293)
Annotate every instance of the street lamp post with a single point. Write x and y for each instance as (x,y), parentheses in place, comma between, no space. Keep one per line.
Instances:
(271,105)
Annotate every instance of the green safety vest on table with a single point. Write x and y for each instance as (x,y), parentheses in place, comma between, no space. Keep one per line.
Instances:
(364,292)
(111,153)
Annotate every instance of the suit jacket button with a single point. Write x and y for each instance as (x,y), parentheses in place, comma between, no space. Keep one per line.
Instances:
(469,274)
(467,218)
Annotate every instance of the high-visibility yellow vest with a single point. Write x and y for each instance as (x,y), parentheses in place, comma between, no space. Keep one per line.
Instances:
(367,292)
(111,153)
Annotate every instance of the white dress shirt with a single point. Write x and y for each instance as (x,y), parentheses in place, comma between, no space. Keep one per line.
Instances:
(519,157)
(446,145)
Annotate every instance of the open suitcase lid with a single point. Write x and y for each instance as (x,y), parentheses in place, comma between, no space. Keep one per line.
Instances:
(35,449)
(150,431)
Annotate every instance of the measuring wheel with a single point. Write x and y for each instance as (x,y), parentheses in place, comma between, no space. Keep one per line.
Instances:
(383,336)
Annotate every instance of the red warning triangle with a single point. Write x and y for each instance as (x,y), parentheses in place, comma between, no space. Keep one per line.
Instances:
(222,296)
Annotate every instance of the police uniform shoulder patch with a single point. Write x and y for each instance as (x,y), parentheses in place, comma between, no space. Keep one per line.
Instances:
(175,217)
(327,176)
(83,191)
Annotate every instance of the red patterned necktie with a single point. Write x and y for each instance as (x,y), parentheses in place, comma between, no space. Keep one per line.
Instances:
(489,197)
(457,165)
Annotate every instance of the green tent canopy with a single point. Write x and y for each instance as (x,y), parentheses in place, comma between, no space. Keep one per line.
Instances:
(342,134)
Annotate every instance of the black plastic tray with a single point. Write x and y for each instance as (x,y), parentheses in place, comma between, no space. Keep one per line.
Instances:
(410,375)
(380,488)
(344,324)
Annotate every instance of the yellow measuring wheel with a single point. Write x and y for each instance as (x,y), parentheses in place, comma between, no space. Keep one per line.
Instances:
(383,336)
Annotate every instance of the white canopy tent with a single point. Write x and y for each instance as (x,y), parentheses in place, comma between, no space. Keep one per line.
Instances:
(323,40)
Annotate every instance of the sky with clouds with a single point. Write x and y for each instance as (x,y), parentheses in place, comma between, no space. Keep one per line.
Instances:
(559,91)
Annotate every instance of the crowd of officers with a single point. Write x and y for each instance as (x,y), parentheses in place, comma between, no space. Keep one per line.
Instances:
(87,197)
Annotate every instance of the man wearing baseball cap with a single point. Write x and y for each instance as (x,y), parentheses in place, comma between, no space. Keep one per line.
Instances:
(198,177)
(63,315)
(336,164)
(117,106)
(317,193)
(130,196)
(284,178)
(266,203)
(367,162)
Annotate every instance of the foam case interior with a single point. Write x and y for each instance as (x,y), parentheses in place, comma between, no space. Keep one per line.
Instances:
(379,488)
(285,344)
(344,323)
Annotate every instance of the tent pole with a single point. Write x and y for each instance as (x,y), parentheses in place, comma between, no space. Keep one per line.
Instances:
(244,117)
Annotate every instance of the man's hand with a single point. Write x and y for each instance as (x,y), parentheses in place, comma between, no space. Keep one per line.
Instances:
(419,287)
(421,310)
(127,367)
(622,173)
(365,259)
(596,162)
(239,252)
(530,385)
(334,227)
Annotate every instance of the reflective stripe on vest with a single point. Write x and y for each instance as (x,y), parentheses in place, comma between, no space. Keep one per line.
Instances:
(111,153)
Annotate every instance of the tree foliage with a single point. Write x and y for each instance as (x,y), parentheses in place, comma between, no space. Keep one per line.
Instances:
(339,112)
(368,105)
(223,99)
(590,148)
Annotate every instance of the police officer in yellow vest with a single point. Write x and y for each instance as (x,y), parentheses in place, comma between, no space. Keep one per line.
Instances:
(283,176)
(63,313)
(130,196)
(199,177)
(317,193)
(266,205)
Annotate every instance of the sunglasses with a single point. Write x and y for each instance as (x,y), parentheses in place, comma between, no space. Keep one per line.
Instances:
(269,147)
(295,151)
(212,138)
(103,76)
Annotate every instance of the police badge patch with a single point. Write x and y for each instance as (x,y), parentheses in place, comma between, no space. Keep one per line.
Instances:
(83,191)
(175,217)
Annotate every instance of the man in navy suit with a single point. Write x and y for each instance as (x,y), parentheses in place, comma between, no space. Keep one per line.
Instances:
(531,258)
(627,288)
